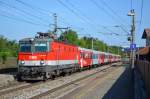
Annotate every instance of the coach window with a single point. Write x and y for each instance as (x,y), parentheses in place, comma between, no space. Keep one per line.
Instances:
(82,55)
(106,56)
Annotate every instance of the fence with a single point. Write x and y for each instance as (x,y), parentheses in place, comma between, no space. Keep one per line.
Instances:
(143,67)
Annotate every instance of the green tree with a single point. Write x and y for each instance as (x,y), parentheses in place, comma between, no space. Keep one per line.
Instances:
(69,36)
(7,47)
(4,56)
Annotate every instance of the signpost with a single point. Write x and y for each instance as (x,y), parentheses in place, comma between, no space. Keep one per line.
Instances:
(132,46)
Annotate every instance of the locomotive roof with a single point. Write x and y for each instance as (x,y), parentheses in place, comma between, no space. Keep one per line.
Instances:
(34,39)
(65,43)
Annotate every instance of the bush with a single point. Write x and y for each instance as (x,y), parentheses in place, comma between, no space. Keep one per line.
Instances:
(4,56)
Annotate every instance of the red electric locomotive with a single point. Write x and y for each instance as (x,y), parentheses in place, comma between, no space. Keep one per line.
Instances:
(42,57)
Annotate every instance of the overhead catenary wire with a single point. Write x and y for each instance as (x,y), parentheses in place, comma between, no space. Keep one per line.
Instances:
(82,15)
(23,11)
(90,21)
(141,15)
(22,20)
(84,18)
(104,10)
(78,10)
(17,14)
(41,10)
(76,14)
(38,9)
(14,16)
(104,27)
(116,14)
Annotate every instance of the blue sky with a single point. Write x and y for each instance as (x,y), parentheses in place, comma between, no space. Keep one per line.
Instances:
(88,17)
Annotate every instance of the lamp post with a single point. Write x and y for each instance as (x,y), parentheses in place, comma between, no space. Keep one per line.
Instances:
(132,14)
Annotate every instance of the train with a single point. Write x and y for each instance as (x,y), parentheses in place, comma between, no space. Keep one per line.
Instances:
(43,57)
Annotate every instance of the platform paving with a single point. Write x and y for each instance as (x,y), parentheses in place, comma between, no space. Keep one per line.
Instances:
(116,85)
(123,88)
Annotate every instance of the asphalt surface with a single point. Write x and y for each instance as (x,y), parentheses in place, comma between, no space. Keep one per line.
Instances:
(115,85)
(123,88)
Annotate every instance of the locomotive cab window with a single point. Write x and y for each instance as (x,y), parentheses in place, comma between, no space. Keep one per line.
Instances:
(25,47)
(41,47)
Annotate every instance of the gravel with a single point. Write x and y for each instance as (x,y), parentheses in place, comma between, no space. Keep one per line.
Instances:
(6,80)
(44,87)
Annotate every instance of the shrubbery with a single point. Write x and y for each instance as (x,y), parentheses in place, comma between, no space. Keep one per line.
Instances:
(8,48)
(71,37)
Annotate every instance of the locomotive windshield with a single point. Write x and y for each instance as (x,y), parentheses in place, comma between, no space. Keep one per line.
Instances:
(34,46)
(40,47)
(25,48)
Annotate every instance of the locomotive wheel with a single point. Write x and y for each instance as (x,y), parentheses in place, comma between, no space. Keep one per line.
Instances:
(44,78)
(52,77)
(69,73)
(63,74)
(19,77)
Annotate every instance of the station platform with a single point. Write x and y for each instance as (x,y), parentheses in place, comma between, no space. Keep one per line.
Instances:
(117,84)
(123,88)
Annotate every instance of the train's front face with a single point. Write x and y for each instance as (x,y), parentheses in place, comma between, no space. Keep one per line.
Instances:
(32,58)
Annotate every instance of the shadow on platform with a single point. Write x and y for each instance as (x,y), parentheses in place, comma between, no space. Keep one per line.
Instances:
(123,88)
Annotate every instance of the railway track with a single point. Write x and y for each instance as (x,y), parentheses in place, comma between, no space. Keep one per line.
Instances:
(15,88)
(41,89)
(65,85)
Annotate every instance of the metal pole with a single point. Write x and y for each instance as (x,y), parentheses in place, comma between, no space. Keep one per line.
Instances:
(103,47)
(133,38)
(107,49)
(55,24)
(92,43)
(132,14)
(118,50)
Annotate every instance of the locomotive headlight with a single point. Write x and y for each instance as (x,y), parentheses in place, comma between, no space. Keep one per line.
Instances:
(22,62)
(42,62)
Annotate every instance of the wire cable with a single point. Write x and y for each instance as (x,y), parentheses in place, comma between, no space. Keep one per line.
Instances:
(76,14)
(104,10)
(141,16)
(40,10)
(115,13)
(22,20)
(84,18)
(23,11)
